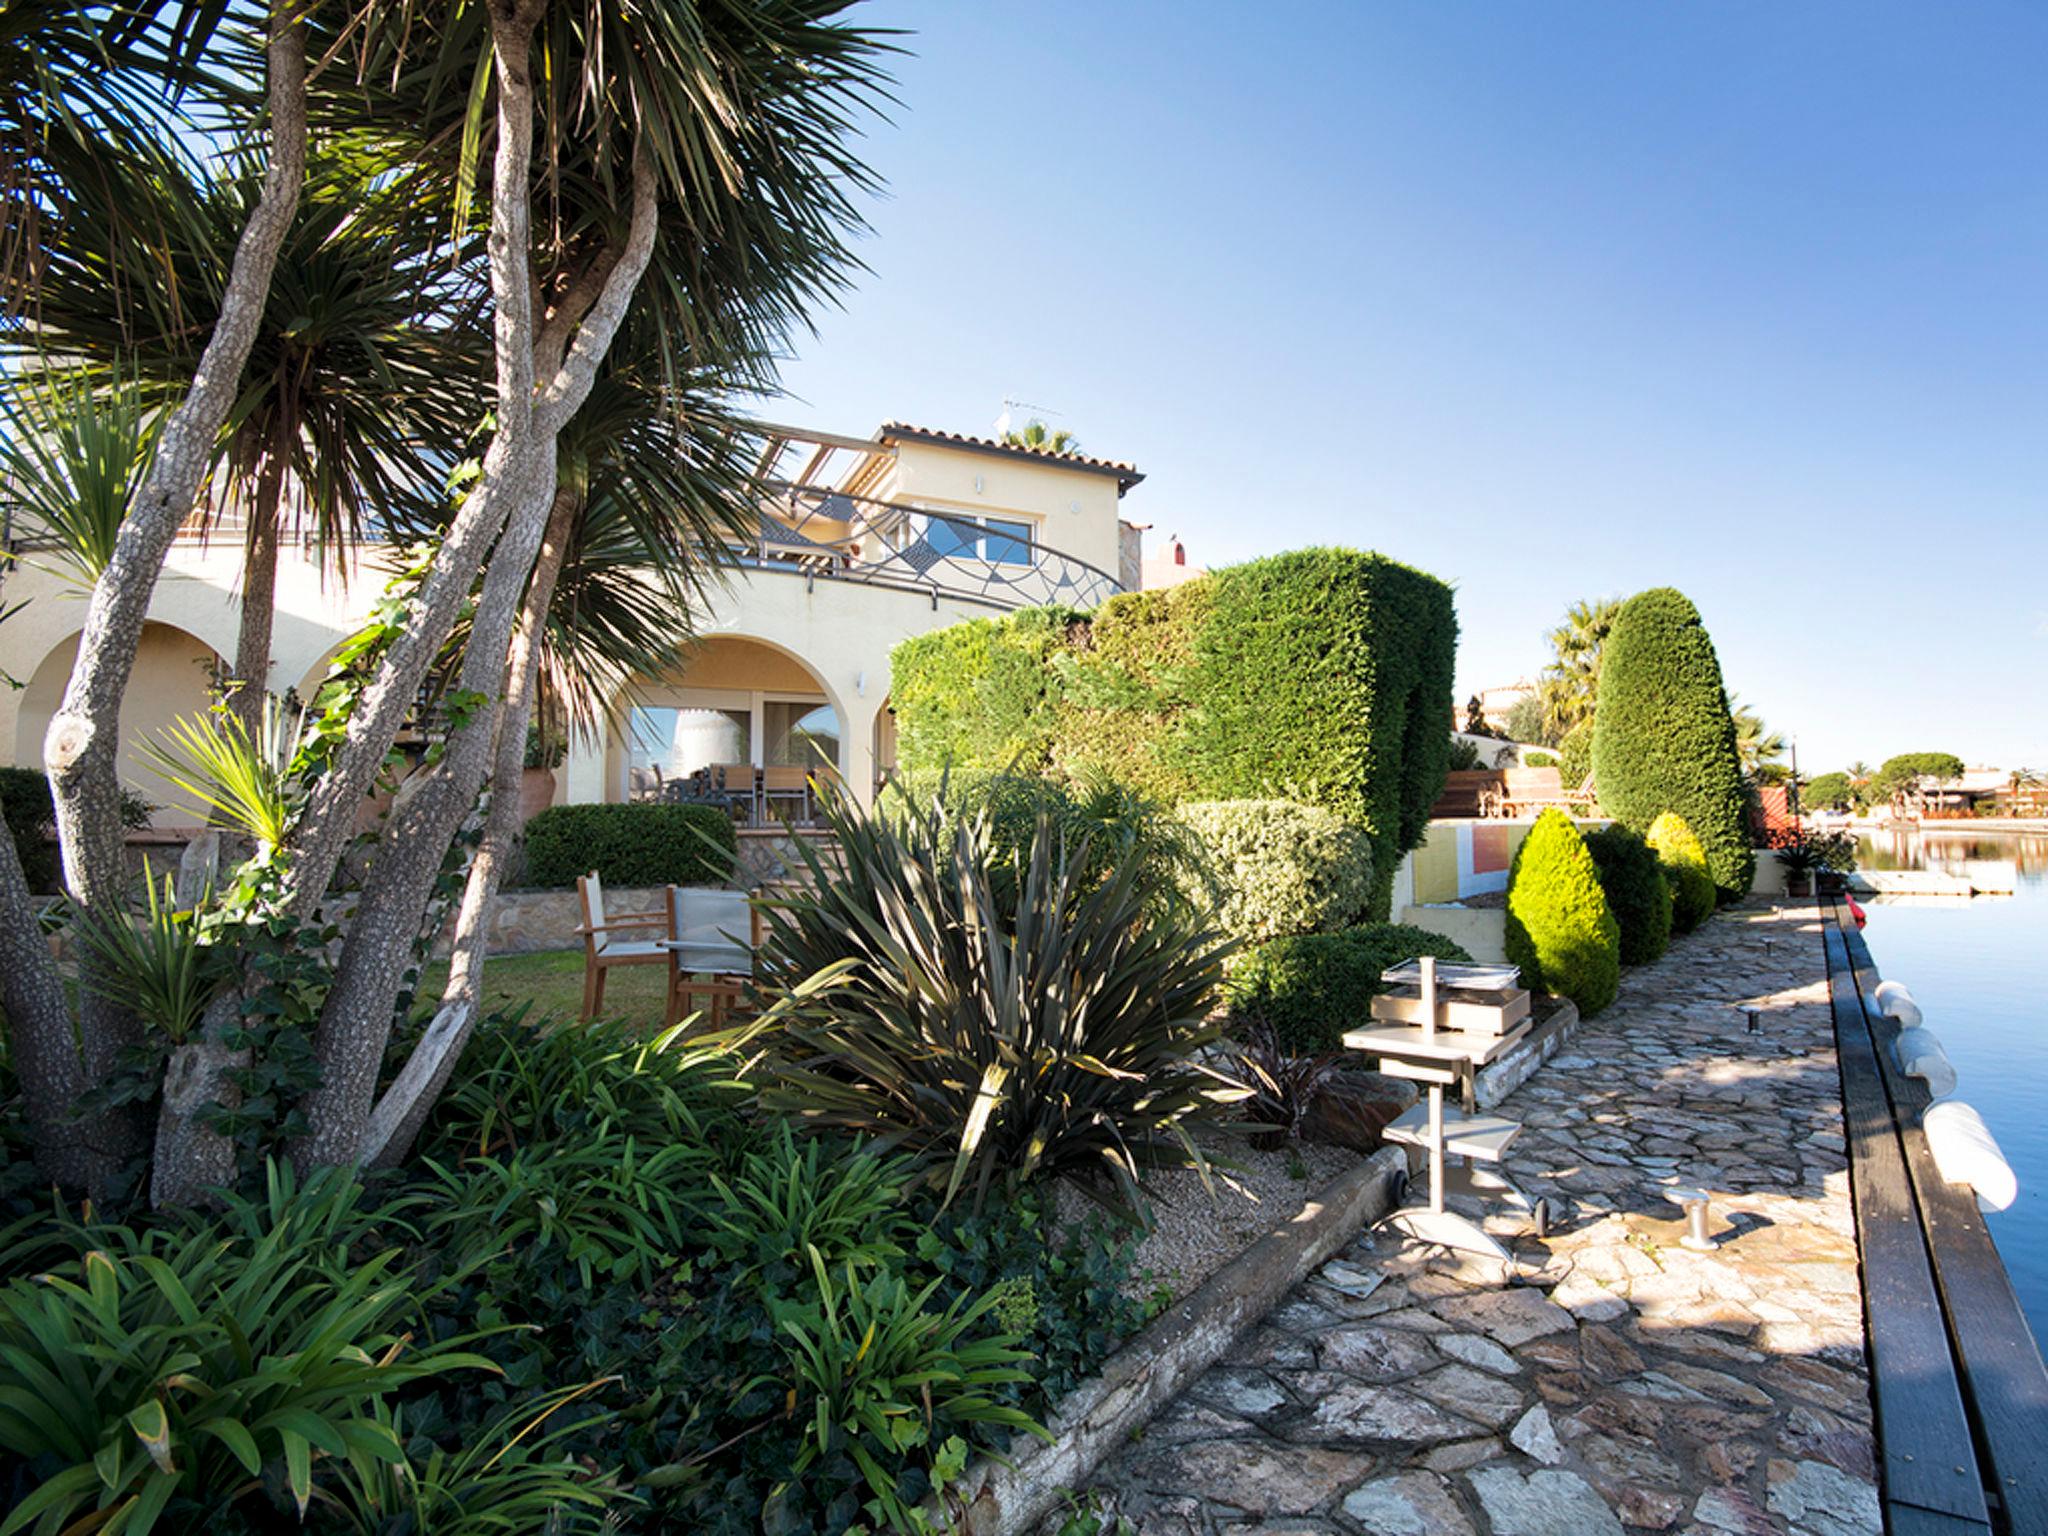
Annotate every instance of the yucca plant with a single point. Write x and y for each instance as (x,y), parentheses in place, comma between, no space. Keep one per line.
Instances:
(881,1377)
(187,1371)
(243,777)
(157,963)
(999,1042)
(71,459)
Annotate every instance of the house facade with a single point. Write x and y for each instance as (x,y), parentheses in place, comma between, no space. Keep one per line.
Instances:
(862,542)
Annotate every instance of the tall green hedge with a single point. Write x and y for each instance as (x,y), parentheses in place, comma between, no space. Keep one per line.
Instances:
(631,845)
(1662,736)
(1321,676)
(1278,867)
(1559,929)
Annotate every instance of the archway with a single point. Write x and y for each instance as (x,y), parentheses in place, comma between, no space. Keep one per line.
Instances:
(173,673)
(733,702)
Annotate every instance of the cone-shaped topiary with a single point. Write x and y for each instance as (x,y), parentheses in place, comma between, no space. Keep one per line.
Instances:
(1662,736)
(1637,893)
(1685,866)
(1559,930)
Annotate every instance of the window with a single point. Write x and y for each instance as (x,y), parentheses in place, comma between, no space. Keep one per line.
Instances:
(1000,541)
(665,743)
(800,734)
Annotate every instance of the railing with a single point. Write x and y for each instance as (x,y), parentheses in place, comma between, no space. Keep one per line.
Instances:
(840,537)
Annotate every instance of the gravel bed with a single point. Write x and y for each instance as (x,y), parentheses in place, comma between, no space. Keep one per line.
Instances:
(1194,1235)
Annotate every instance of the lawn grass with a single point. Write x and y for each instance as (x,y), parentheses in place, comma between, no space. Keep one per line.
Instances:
(552,983)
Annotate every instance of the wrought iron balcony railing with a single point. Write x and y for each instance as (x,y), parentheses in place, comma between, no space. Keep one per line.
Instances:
(993,562)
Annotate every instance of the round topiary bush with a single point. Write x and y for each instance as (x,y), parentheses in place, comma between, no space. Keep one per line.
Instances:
(1278,867)
(1662,736)
(1637,893)
(1685,868)
(1311,987)
(1559,929)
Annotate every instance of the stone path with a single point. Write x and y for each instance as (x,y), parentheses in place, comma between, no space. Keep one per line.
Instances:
(1620,1382)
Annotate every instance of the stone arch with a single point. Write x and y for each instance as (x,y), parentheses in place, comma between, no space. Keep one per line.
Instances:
(170,681)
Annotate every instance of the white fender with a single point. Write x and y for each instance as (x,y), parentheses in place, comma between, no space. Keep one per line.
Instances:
(1965,1153)
(1920,1055)
(1893,998)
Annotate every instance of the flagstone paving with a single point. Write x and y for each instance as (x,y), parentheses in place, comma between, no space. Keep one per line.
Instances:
(1617,1382)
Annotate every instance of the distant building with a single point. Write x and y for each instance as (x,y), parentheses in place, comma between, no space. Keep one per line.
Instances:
(1496,703)
(1171,566)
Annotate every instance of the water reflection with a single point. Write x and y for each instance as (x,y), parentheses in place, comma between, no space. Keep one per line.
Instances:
(1949,852)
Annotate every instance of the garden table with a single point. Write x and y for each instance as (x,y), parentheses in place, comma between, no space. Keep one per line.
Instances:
(1437,1058)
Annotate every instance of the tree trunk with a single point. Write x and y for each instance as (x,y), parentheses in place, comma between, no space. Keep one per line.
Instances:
(191,1157)
(259,596)
(397,1119)
(81,749)
(39,1034)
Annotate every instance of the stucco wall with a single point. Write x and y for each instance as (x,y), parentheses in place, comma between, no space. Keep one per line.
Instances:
(1076,511)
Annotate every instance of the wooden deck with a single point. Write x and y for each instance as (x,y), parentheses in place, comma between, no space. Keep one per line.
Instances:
(1960,1388)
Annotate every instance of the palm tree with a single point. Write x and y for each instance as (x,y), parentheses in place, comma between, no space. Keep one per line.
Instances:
(2024,780)
(1040,438)
(363,379)
(1570,686)
(1760,750)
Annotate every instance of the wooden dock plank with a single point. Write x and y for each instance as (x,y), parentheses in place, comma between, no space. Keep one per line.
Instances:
(2004,1380)
(1928,1459)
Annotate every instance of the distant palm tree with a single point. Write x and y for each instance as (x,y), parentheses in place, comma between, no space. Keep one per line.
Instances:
(1570,685)
(1760,749)
(2025,781)
(1040,438)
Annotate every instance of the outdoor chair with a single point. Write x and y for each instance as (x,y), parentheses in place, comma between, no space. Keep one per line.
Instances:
(787,786)
(710,950)
(736,782)
(603,947)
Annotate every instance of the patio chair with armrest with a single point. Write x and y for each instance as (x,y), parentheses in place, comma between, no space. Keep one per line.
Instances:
(604,945)
(710,950)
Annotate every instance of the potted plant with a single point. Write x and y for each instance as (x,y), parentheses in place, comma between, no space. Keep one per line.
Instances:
(1800,853)
(544,753)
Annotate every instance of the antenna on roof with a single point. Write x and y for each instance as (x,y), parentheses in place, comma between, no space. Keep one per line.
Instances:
(1011,403)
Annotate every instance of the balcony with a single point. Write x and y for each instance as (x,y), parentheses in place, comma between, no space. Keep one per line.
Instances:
(833,535)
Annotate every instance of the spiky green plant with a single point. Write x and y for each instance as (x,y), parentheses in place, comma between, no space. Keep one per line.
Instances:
(999,1042)
(71,459)
(243,777)
(881,1376)
(184,1369)
(158,963)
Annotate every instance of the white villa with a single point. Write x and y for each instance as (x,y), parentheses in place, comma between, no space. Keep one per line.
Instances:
(863,541)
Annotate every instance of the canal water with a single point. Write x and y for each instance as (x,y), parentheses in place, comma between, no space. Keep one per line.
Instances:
(1978,967)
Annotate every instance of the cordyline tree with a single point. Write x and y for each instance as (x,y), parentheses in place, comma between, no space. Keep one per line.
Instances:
(682,166)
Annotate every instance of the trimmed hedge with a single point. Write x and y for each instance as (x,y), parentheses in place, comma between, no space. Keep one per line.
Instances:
(1278,867)
(1320,676)
(1637,893)
(631,845)
(1662,736)
(1685,868)
(1575,755)
(1311,987)
(1559,929)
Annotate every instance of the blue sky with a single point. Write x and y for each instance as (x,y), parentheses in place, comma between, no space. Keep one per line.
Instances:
(1551,300)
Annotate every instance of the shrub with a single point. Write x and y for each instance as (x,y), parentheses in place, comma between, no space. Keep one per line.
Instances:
(31,813)
(1559,929)
(1310,988)
(230,1363)
(1685,868)
(1575,755)
(1464,755)
(631,845)
(1318,676)
(1637,893)
(1275,867)
(1663,739)
(996,1048)
(1539,760)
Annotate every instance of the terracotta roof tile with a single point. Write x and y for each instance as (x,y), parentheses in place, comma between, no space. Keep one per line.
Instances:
(1127,474)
